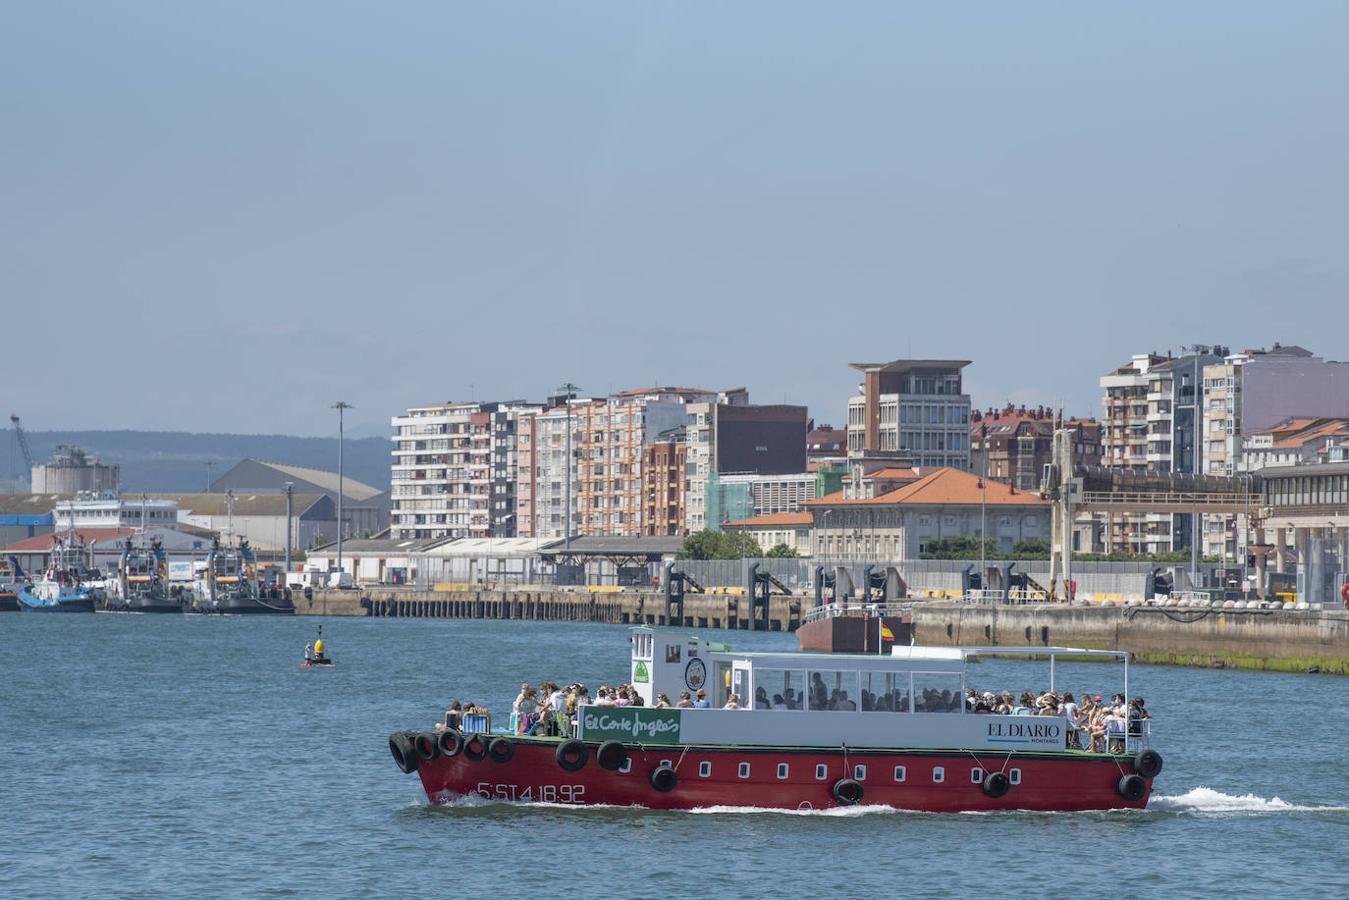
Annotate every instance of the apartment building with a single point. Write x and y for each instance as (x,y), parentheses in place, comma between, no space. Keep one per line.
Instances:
(1250,393)
(665,484)
(1014,444)
(912,406)
(730,437)
(608,439)
(1152,423)
(455,470)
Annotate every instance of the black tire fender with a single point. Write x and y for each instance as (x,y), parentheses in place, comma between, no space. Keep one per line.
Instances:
(1148,763)
(426,746)
(572,755)
(400,747)
(1132,788)
(451,742)
(664,778)
(848,791)
(475,747)
(611,755)
(501,750)
(996,784)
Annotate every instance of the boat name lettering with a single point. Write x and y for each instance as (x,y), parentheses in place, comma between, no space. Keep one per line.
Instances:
(657,726)
(1038,732)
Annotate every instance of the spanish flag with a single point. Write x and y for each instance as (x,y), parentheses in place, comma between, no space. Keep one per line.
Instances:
(886,633)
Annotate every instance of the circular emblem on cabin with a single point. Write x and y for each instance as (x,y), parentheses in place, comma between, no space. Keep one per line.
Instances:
(695,674)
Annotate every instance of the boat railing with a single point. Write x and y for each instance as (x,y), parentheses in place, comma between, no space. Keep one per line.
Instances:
(847,609)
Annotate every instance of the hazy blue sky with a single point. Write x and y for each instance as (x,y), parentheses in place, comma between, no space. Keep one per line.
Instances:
(225,219)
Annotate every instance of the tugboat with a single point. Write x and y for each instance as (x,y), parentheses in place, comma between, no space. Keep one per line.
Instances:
(817,731)
(229,584)
(9,585)
(63,587)
(143,580)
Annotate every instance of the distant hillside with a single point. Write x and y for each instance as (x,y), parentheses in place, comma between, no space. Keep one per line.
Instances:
(176,460)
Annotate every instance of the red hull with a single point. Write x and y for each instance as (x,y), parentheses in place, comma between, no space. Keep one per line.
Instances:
(1047,782)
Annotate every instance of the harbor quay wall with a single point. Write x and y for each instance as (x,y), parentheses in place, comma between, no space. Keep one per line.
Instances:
(1280,640)
(729,611)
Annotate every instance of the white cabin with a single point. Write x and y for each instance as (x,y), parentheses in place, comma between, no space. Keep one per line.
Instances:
(912,698)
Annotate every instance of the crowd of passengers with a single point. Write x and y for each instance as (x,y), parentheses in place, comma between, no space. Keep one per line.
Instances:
(1092,724)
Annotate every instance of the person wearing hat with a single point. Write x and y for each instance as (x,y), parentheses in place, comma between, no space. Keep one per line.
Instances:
(701,701)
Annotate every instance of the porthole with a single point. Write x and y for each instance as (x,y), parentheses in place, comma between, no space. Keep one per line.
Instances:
(899,773)
(821,772)
(1014,776)
(666,762)
(859,773)
(782,770)
(704,769)
(976,776)
(627,766)
(744,770)
(938,775)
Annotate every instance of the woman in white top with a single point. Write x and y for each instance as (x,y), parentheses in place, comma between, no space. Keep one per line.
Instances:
(732,702)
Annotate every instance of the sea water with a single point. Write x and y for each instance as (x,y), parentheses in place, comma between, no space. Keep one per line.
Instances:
(184,755)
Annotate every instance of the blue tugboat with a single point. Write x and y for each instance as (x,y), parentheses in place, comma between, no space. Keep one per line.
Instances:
(62,587)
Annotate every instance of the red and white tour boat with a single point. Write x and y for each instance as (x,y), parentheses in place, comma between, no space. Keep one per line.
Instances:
(898,735)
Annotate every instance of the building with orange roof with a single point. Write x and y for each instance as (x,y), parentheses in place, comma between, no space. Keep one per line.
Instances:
(939,503)
(788,528)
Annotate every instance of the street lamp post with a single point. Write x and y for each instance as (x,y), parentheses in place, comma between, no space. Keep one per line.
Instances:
(290,511)
(567,392)
(341,408)
(983,532)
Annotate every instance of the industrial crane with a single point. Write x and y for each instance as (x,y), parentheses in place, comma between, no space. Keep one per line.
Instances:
(23,441)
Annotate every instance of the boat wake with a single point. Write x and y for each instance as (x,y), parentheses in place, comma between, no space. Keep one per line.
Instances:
(1206,801)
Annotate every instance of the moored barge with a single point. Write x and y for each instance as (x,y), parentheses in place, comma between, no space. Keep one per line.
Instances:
(890,730)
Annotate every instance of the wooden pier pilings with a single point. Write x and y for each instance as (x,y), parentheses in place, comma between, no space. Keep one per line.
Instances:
(548,605)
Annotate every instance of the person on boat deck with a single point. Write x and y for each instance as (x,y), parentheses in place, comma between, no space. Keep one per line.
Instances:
(778,702)
(662,701)
(1025,705)
(454,716)
(732,702)
(685,701)
(1137,713)
(1072,725)
(525,708)
(761,698)
(701,701)
(309,653)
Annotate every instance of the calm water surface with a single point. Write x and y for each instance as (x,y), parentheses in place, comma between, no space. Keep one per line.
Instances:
(148,755)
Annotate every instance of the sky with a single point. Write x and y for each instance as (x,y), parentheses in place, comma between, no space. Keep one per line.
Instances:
(227,217)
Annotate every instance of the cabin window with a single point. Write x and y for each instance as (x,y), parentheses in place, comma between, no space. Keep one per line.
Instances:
(821,772)
(672,653)
(778,688)
(744,770)
(627,766)
(976,776)
(885,691)
(938,775)
(900,772)
(642,644)
(782,771)
(834,690)
(1014,776)
(936,692)
(859,773)
(704,769)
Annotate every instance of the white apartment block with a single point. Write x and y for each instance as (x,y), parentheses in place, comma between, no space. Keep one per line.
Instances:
(455,470)
(914,407)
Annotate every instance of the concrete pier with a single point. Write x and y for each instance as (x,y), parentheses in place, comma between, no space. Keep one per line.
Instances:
(1283,640)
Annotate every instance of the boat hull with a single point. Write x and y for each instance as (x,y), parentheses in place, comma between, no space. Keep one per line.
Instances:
(902,779)
(853,634)
(30,602)
(9,601)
